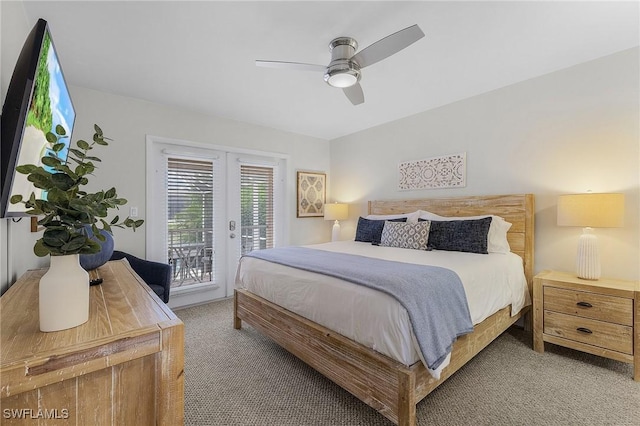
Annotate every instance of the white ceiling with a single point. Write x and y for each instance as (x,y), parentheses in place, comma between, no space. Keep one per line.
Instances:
(200,55)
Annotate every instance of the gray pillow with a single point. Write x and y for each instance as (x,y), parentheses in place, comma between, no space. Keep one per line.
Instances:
(405,235)
(460,235)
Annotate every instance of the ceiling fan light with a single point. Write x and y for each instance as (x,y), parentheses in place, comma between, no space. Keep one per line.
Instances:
(342,80)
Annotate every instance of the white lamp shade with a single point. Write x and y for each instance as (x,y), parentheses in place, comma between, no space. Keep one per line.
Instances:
(592,210)
(336,211)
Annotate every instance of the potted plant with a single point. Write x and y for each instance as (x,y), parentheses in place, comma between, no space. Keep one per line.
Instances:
(67,214)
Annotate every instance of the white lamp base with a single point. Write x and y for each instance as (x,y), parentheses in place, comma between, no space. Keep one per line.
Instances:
(588,259)
(335,231)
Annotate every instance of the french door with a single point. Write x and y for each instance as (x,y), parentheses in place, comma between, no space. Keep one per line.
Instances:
(207,207)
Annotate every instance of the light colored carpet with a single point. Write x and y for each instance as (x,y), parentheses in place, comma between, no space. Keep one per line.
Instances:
(240,377)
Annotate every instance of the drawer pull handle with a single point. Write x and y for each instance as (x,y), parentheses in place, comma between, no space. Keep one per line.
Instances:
(585,304)
(584,330)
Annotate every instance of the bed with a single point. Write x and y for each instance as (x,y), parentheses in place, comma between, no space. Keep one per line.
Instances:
(391,385)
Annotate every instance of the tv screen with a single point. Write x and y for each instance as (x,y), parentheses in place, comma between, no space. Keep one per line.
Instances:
(37,101)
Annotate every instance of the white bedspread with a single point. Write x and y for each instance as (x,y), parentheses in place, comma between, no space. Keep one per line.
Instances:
(374,319)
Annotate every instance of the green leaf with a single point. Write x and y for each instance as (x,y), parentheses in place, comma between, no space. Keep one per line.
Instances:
(80,205)
(51,137)
(40,249)
(65,169)
(56,196)
(75,243)
(15,199)
(77,152)
(51,161)
(81,170)
(83,145)
(106,226)
(110,193)
(62,181)
(60,130)
(40,181)
(25,169)
(90,247)
(115,220)
(58,147)
(56,237)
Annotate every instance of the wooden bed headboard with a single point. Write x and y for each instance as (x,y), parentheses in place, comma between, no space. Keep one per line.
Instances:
(517,209)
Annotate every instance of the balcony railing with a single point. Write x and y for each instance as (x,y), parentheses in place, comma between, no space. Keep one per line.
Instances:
(190,254)
(253,238)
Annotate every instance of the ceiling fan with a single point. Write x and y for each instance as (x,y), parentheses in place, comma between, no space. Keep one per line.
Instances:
(344,69)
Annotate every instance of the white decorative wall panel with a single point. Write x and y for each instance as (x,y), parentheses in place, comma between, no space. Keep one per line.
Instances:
(448,171)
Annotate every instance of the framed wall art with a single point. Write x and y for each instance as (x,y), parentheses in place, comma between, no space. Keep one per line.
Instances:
(448,171)
(312,188)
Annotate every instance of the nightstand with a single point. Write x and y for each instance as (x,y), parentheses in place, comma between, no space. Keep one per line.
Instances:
(599,317)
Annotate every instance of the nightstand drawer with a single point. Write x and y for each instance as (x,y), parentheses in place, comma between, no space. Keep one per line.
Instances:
(597,333)
(601,307)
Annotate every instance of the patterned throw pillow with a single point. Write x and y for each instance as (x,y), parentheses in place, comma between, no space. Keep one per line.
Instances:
(406,235)
(370,231)
(460,235)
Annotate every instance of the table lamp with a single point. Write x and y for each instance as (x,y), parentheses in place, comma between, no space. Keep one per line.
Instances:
(337,212)
(590,211)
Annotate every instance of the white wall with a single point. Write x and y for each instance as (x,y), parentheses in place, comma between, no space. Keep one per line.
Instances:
(128,121)
(566,132)
(569,131)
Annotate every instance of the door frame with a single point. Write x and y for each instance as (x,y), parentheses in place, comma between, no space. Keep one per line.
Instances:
(198,294)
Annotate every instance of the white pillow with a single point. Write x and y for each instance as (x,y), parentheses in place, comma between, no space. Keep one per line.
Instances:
(411,217)
(496,238)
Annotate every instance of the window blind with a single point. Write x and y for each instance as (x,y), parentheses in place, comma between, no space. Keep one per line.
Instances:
(257,202)
(190,219)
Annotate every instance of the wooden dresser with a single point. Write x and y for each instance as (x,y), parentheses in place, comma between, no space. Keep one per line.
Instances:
(599,317)
(124,366)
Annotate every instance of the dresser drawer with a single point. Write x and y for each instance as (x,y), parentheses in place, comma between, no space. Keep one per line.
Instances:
(605,335)
(601,307)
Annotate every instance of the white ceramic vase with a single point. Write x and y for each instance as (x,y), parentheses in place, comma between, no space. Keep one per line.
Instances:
(64,294)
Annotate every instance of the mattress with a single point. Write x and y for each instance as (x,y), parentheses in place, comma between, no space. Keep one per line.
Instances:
(372,318)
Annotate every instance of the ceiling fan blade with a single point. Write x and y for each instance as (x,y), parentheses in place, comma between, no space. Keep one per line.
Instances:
(291,66)
(354,93)
(389,45)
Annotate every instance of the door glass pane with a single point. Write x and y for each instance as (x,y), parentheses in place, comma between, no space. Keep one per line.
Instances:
(190,218)
(256,204)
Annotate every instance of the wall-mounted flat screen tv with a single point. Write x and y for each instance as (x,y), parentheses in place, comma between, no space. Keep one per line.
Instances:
(37,101)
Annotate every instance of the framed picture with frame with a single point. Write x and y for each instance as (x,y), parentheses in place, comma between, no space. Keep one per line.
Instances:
(311,189)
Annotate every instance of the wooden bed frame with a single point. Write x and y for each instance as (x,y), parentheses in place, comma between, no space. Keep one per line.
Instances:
(390,387)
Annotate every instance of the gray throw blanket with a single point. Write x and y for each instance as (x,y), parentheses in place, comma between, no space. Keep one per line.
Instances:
(433,296)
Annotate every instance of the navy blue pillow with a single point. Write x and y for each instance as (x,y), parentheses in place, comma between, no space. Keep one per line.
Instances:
(460,235)
(370,231)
